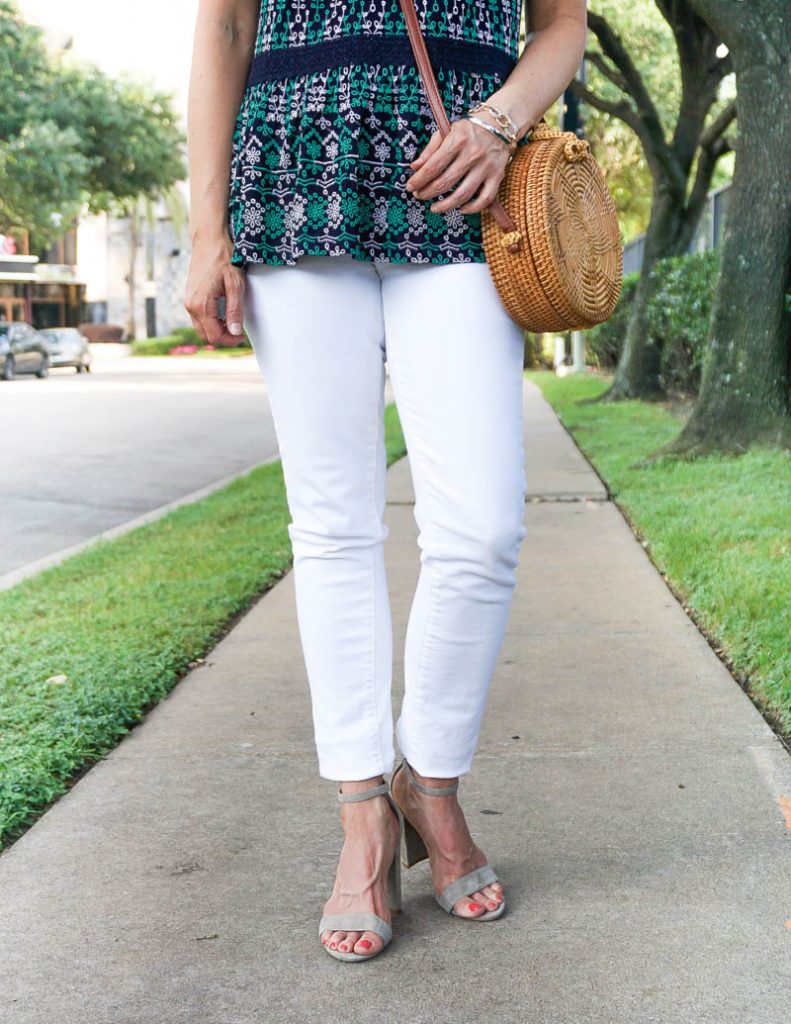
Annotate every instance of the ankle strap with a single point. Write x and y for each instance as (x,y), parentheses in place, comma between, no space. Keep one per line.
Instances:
(429,790)
(364,794)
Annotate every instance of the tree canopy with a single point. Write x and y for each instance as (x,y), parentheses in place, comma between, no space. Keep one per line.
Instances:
(74,139)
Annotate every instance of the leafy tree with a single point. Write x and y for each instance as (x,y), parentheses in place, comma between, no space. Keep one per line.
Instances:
(681,165)
(618,149)
(133,142)
(74,139)
(42,167)
(129,133)
(745,393)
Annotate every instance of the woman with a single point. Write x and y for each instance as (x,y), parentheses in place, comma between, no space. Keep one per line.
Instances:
(344,231)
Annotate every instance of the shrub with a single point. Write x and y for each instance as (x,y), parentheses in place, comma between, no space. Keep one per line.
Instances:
(155,346)
(535,357)
(177,344)
(188,335)
(604,342)
(677,319)
(678,316)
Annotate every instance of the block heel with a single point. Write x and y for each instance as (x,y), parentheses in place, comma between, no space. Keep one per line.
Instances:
(413,850)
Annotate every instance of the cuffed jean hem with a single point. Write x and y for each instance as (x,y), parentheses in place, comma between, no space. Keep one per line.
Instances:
(339,767)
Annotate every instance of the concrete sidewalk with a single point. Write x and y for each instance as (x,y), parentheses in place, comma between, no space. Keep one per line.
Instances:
(626,790)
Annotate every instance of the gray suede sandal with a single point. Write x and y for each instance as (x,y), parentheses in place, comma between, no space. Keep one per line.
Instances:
(367,921)
(413,850)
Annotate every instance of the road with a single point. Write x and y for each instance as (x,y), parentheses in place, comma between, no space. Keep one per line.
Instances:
(83,453)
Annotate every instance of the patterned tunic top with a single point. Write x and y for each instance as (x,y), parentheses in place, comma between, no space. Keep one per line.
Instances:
(334,111)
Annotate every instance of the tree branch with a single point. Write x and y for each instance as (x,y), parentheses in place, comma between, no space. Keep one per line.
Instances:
(644,120)
(620,109)
(611,74)
(723,66)
(721,122)
(613,48)
(707,161)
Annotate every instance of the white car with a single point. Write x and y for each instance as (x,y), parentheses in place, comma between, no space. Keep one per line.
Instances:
(67,347)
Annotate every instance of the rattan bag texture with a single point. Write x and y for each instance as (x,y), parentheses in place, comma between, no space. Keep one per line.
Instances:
(567,273)
(551,236)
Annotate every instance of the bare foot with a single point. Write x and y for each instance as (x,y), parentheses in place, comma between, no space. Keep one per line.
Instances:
(371,841)
(452,852)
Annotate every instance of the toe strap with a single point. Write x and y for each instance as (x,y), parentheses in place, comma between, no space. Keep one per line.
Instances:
(357,922)
(466,885)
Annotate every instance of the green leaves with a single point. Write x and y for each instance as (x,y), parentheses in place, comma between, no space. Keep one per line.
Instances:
(71,137)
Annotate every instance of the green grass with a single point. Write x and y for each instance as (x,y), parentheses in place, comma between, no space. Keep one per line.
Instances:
(718,528)
(122,621)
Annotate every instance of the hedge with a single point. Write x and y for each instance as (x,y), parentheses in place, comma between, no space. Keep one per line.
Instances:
(603,344)
(677,319)
(156,346)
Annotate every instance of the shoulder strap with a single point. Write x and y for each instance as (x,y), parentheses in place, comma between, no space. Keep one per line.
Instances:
(429,80)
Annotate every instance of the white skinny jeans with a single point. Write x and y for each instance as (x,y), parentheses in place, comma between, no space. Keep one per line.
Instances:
(322,331)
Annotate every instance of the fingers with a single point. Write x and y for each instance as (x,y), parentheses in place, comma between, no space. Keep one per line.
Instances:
(434,160)
(467,187)
(428,150)
(486,195)
(465,159)
(209,281)
(234,292)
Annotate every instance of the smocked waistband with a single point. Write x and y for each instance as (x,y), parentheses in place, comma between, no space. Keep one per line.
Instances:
(456,54)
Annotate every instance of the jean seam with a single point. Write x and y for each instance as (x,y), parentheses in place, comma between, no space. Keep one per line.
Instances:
(420,690)
(373,555)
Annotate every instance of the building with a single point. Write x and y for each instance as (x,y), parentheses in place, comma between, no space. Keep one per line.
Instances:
(45,289)
(707,234)
(85,275)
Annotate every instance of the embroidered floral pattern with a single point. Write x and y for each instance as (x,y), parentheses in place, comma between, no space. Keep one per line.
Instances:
(320,158)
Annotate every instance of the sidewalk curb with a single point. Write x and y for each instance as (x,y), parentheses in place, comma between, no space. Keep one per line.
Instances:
(10,579)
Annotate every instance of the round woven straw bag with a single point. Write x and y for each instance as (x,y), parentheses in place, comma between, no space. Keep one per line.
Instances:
(551,236)
(559,266)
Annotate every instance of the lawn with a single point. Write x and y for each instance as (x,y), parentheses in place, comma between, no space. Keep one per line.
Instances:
(88,646)
(718,528)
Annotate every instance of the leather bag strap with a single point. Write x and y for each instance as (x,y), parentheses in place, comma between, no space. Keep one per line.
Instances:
(431,87)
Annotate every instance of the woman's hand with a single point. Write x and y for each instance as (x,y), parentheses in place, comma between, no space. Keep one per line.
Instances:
(469,155)
(212,276)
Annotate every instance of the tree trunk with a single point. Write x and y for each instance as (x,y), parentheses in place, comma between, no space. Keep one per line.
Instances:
(668,234)
(744,394)
(131,321)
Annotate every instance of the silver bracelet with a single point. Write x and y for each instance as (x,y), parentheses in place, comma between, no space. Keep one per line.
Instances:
(503,120)
(490,128)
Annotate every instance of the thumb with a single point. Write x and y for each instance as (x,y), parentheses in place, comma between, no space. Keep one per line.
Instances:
(234,291)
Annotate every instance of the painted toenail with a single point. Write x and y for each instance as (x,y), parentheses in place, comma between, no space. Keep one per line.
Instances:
(493,905)
(365,943)
(344,948)
(332,945)
(474,906)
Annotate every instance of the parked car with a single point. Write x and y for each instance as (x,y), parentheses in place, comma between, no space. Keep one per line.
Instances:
(22,350)
(68,347)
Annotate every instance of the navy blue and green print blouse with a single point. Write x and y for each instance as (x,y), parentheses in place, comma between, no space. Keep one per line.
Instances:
(332,114)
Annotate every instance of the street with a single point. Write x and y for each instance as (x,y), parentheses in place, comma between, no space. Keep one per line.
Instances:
(83,453)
